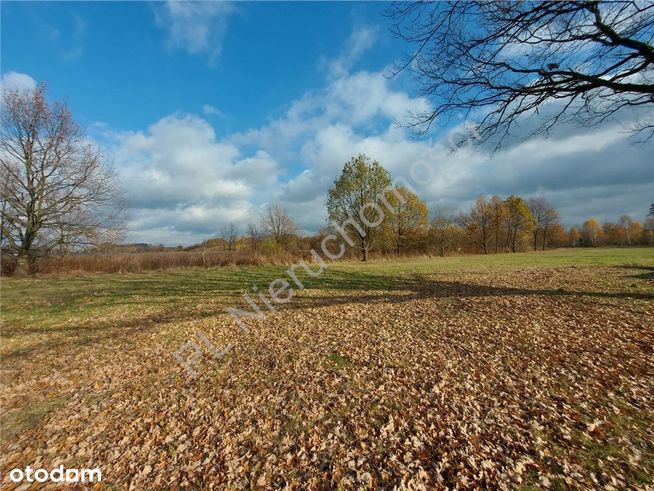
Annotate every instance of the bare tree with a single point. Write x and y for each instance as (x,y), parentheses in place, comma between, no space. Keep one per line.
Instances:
(508,59)
(229,235)
(57,193)
(254,236)
(277,223)
(545,216)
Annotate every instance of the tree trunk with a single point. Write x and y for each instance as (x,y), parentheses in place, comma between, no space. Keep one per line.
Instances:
(31,262)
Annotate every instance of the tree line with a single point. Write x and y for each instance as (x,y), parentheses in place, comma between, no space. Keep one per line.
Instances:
(492,225)
(59,198)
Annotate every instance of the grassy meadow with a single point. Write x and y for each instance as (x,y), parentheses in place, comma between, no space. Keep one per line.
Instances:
(529,370)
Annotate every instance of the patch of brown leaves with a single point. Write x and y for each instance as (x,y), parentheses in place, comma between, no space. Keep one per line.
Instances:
(538,378)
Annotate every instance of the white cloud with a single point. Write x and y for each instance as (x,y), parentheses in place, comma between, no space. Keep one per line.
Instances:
(591,165)
(179,176)
(76,34)
(195,27)
(364,99)
(17,81)
(209,110)
(186,182)
(360,41)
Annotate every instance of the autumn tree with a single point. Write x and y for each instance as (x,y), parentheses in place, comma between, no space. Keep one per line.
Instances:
(631,229)
(479,223)
(520,222)
(545,216)
(558,237)
(592,232)
(579,61)
(575,236)
(58,194)
(612,233)
(408,219)
(352,201)
(500,214)
(444,230)
(278,224)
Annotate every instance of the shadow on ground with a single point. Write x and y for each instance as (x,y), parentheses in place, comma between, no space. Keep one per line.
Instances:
(357,287)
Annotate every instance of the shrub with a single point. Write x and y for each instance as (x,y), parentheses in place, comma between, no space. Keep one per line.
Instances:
(148,261)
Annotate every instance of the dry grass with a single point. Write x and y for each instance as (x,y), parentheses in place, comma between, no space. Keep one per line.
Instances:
(152,261)
(412,375)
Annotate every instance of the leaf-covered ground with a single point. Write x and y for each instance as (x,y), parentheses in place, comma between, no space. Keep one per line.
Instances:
(409,375)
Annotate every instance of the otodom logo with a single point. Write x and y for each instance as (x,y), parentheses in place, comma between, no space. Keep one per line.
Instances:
(58,474)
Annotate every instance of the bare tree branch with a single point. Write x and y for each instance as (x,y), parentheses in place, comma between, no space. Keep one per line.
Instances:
(583,61)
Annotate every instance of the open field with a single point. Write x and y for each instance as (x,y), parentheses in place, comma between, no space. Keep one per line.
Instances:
(530,370)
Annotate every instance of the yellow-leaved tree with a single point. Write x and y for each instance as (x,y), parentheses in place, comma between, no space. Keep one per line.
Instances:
(409,222)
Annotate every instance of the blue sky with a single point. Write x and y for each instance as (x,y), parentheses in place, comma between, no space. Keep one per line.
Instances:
(211,110)
(117,62)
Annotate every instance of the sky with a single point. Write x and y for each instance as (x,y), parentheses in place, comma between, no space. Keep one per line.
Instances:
(211,111)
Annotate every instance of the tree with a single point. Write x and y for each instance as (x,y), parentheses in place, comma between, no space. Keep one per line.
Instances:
(592,58)
(57,193)
(558,237)
(651,210)
(354,196)
(545,216)
(478,223)
(254,237)
(500,215)
(630,230)
(613,234)
(575,236)
(520,222)
(592,232)
(409,218)
(648,231)
(229,234)
(444,230)
(278,224)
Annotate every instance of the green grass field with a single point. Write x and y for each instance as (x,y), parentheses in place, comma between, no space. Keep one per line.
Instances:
(49,298)
(529,370)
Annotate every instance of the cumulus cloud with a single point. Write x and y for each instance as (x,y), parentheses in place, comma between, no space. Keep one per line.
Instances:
(17,81)
(186,182)
(179,176)
(363,101)
(195,27)
(595,165)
